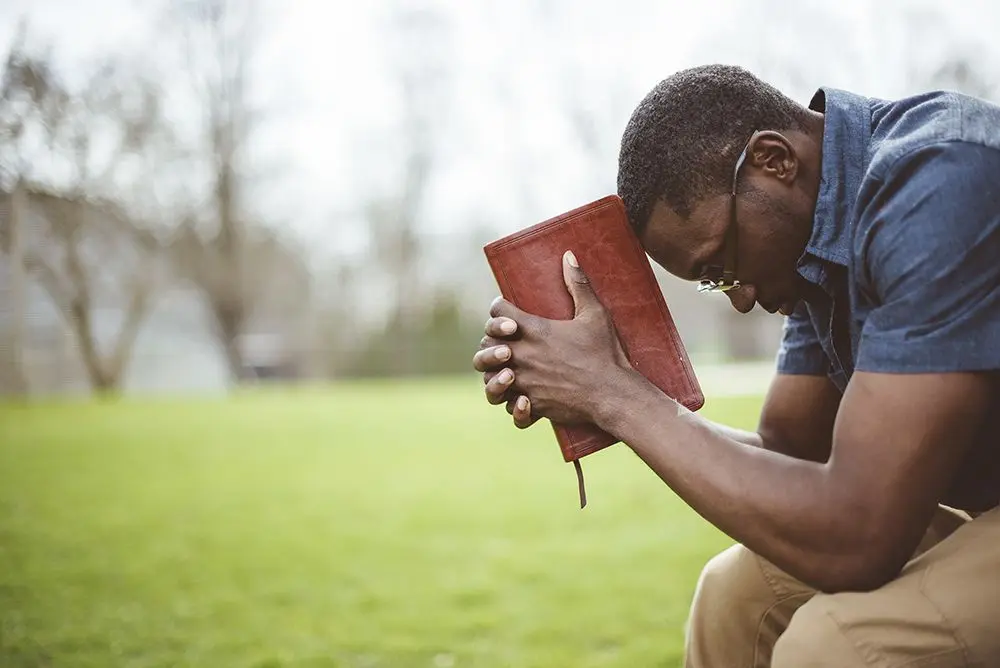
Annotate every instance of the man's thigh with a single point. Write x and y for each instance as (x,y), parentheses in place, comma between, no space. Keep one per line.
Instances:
(942,611)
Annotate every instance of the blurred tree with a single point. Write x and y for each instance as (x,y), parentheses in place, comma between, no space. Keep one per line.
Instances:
(442,342)
(70,157)
(14,379)
(419,62)
(12,219)
(592,104)
(339,334)
(965,74)
(221,245)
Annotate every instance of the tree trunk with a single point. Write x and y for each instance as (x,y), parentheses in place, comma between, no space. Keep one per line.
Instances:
(80,312)
(229,323)
(18,286)
(234,359)
(97,373)
(105,383)
(135,313)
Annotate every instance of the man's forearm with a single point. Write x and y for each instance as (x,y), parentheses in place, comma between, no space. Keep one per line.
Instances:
(750,438)
(754,439)
(785,509)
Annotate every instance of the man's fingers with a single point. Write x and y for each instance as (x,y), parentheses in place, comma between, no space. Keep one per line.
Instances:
(519,408)
(501,308)
(496,387)
(500,327)
(522,413)
(489,342)
(578,284)
(488,358)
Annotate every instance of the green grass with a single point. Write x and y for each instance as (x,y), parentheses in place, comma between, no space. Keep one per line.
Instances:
(371,524)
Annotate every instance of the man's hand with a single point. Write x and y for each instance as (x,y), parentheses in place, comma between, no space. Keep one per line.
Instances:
(493,356)
(551,368)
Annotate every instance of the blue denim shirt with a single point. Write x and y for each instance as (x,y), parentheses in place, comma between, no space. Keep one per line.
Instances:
(906,250)
(905,242)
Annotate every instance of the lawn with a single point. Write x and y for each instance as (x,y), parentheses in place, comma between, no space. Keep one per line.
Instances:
(369,524)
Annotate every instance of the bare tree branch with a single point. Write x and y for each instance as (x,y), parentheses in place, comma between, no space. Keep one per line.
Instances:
(219,245)
(86,249)
(50,280)
(135,312)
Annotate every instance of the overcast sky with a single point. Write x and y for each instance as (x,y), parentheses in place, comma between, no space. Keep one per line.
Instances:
(507,154)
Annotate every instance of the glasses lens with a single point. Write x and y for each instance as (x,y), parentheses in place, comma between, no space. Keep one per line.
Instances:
(713,286)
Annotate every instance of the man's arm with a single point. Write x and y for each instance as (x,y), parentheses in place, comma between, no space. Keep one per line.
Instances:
(796,420)
(798,416)
(801,405)
(846,524)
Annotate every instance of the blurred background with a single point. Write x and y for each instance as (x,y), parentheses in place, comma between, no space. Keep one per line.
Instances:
(197,193)
(259,224)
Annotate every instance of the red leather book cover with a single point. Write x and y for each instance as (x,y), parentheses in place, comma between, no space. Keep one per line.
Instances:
(527,266)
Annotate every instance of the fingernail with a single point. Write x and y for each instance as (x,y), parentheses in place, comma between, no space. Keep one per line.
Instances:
(506,376)
(522,403)
(503,353)
(508,326)
(572,259)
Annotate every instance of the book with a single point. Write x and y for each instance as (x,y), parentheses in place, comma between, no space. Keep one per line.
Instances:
(527,266)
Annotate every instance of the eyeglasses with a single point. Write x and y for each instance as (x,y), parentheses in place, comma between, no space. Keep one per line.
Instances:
(723,279)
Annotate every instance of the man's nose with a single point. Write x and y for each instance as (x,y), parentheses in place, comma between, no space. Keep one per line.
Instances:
(743,298)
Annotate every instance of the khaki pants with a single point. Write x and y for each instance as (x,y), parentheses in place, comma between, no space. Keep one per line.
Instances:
(943,610)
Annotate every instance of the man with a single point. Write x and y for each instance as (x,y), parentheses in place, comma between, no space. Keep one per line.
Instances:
(874,227)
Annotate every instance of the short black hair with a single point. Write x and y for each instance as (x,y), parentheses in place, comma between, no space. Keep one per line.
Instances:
(682,141)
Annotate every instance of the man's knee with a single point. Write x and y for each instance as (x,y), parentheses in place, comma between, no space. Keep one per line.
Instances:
(814,640)
(737,577)
(732,596)
(730,574)
(741,605)
(721,630)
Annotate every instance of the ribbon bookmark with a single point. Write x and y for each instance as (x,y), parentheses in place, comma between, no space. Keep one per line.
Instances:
(579,478)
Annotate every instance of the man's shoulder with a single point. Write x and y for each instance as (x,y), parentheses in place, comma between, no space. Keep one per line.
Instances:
(937,194)
(946,121)
(932,213)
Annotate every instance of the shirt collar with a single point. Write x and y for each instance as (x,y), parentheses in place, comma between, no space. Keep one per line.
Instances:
(846,133)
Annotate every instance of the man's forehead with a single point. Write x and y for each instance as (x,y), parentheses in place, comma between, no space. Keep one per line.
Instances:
(680,245)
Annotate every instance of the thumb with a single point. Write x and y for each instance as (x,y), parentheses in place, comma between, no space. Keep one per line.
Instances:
(578,284)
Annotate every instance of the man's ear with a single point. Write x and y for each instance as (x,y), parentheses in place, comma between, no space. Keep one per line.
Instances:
(772,153)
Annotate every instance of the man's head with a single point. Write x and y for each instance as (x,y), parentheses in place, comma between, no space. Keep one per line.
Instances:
(679,154)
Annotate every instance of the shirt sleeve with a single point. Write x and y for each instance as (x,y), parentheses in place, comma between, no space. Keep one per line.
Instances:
(800,352)
(928,247)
